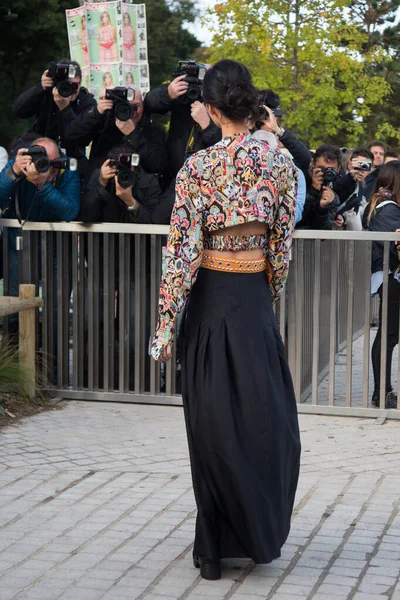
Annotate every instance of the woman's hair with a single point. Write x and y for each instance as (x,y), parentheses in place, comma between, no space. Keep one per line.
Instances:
(387,186)
(228,86)
(130,76)
(126,14)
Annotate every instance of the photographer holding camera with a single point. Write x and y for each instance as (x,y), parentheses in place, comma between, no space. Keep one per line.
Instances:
(321,201)
(119,118)
(270,111)
(55,102)
(122,192)
(351,189)
(36,185)
(190,129)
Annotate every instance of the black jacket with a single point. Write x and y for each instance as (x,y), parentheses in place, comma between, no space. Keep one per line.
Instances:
(386,218)
(317,217)
(181,126)
(102,205)
(50,121)
(146,140)
(301,155)
(370,182)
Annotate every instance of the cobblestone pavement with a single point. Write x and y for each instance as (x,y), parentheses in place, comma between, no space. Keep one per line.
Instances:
(96,502)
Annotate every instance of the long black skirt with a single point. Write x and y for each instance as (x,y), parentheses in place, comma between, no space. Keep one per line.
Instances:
(241,418)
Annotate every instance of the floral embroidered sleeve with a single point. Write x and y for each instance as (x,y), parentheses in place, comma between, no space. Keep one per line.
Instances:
(183,256)
(282,226)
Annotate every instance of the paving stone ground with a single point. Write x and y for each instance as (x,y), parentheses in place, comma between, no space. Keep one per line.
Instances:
(96,503)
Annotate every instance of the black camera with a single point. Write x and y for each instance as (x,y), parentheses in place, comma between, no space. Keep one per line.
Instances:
(43,163)
(124,161)
(122,96)
(60,74)
(362,165)
(330,174)
(194,76)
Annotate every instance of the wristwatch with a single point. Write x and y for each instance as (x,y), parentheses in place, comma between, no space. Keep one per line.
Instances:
(280,132)
(133,208)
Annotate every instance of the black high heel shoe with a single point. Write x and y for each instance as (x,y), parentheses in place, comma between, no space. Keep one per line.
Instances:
(209,569)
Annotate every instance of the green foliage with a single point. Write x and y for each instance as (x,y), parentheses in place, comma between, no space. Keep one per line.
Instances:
(313,55)
(39,35)
(13,377)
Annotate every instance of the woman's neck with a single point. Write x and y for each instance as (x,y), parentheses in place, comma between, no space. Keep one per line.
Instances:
(234,129)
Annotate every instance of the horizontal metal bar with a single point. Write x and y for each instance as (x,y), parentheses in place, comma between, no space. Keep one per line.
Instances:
(305,234)
(88,228)
(347,411)
(96,396)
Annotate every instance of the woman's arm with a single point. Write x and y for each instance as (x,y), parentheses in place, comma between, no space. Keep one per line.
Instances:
(282,225)
(183,256)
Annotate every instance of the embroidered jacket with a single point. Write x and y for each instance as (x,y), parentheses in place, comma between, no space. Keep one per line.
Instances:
(236,181)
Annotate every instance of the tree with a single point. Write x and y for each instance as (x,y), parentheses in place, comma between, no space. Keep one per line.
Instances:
(39,35)
(310,55)
(376,19)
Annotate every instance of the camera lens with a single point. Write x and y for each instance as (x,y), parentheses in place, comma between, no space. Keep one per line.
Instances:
(42,164)
(193,92)
(125,178)
(123,111)
(65,89)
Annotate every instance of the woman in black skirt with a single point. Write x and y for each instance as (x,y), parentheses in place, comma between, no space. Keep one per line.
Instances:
(228,248)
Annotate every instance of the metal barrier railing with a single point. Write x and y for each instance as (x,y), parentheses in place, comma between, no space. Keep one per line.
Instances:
(100,287)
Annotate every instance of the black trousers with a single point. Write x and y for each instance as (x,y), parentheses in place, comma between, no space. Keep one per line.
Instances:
(392,334)
(241,418)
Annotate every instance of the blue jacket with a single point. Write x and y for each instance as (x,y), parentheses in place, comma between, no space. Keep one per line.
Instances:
(58,202)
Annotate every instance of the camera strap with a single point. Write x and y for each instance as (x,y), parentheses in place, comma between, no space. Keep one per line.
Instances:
(191,140)
(17,208)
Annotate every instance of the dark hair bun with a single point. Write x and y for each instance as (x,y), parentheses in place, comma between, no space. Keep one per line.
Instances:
(228,86)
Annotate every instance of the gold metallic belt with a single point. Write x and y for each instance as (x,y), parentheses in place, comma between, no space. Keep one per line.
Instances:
(229,265)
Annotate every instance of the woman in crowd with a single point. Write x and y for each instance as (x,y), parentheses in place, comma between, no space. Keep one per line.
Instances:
(107,39)
(228,247)
(383,214)
(129,35)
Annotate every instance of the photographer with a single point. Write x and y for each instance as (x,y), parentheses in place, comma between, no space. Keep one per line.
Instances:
(133,128)
(55,102)
(378,150)
(351,189)
(190,129)
(36,186)
(122,192)
(321,201)
(270,109)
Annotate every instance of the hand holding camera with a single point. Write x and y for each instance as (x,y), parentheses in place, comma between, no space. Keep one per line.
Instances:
(359,169)
(104,103)
(271,123)
(36,177)
(22,162)
(199,114)
(125,127)
(46,81)
(178,87)
(327,197)
(317,177)
(125,193)
(107,172)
